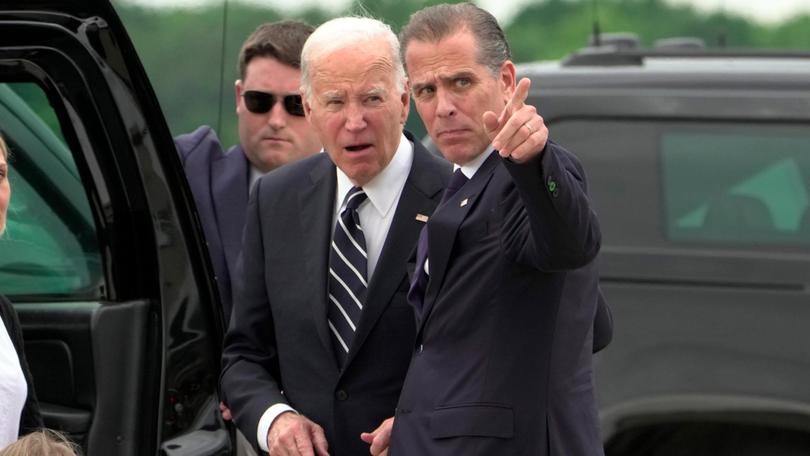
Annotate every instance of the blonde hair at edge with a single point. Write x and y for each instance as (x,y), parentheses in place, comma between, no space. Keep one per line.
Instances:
(4,151)
(41,443)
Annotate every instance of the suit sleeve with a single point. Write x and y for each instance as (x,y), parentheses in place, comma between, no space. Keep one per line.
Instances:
(202,137)
(602,324)
(559,229)
(250,374)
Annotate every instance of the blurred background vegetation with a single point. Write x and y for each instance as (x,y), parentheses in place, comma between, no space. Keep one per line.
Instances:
(191,62)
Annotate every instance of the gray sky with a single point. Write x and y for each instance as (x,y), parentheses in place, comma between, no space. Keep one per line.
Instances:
(760,10)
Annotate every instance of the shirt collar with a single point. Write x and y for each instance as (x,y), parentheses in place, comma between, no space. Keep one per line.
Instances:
(472,166)
(255,174)
(384,188)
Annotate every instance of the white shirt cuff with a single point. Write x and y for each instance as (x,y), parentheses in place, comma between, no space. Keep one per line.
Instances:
(267,420)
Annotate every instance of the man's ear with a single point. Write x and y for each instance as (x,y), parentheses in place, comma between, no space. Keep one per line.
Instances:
(305,103)
(508,79)
(238,88)
(405,98)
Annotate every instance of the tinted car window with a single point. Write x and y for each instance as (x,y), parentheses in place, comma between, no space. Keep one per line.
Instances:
(687,185)
(50,246)
(736,184)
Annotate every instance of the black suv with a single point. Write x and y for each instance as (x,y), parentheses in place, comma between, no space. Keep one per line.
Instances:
(699,168)
(103,256)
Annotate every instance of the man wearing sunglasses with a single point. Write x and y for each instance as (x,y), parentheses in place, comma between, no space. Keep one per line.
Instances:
(272,132)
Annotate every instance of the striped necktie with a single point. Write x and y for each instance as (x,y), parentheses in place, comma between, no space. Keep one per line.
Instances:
(347,275)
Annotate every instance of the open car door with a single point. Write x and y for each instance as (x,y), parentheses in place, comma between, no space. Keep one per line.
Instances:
(103,256)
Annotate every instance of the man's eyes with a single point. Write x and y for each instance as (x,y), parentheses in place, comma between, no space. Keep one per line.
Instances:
(462,82)
(425,91)
(337,102)
(457,83)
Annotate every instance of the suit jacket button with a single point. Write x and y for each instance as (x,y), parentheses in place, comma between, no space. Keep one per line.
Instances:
(341,395)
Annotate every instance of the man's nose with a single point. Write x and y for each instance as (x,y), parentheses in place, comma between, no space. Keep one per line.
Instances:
(355,118)
(445,106)
(277,116)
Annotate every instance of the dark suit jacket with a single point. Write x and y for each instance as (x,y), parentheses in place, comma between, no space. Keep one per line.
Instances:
(220,184)
(278,339)
(31,420)
(494,362)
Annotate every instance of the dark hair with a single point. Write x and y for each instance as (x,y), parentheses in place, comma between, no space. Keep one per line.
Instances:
(281,40)
(434,23)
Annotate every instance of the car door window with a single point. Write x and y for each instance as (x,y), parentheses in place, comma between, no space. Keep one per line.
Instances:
(50,247)
(727,185)
(680,185)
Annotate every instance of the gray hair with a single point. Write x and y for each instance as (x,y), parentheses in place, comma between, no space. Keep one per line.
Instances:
(434,23)
(344,32)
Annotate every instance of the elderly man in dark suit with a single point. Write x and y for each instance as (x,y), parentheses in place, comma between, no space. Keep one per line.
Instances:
(505,288)
(321,333)
(272,132)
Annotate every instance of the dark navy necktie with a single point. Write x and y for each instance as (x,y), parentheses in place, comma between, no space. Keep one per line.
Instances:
(416,293)
(348,266)
(456,182)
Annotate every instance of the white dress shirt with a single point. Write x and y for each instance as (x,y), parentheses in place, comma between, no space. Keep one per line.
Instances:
(383,193)
(255,174)
(13,390)
(472,166)
(376,215)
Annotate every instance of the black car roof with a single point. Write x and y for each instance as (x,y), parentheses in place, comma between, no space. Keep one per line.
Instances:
(76,7)
(680,63)
(686,83)
(715,73)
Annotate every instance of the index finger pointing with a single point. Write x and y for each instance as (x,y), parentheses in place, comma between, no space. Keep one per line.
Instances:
(520,95)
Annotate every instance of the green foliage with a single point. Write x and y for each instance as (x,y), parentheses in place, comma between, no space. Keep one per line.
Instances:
(393,12)
(182,52)
(555,28)
(182,48)
(793,34)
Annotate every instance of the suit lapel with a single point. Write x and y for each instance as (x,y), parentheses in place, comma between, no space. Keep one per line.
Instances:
(316,206)
(419,196)
(229,187)
(443,227)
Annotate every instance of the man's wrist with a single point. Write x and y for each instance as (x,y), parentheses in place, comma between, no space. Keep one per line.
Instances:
(267,420)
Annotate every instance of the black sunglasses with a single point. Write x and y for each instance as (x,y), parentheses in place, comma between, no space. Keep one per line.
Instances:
(260,102)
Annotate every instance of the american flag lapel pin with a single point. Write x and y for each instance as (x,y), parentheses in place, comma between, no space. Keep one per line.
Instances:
(422,218)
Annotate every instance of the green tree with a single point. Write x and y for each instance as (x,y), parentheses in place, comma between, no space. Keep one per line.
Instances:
(182,48)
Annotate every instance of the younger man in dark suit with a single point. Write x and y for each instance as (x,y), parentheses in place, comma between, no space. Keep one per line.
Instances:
(321,333)
(505,288)
(272,132)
